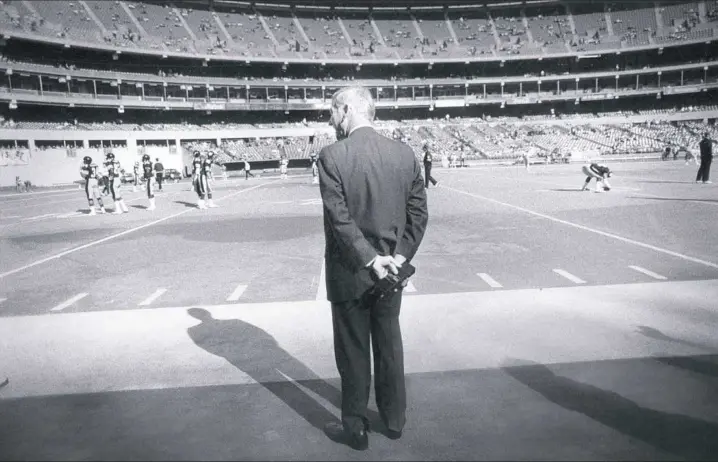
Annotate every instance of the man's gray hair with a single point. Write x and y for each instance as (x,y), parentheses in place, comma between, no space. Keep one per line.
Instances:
(356,97)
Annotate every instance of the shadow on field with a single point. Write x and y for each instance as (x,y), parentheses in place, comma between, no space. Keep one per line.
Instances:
(256,353)
(143,207)
(674,199)
(245,229)
(658,335)
(684,436)
(665,181)
(187,204)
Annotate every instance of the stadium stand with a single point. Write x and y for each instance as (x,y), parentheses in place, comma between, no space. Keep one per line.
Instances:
(242,78)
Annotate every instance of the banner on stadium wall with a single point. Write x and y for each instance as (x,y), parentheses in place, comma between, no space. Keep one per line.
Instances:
(209,106)
(11,157)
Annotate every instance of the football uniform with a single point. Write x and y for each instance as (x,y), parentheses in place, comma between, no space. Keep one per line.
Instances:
(147,177)
(283,164)
(113,175)
(598,171)
(91,174)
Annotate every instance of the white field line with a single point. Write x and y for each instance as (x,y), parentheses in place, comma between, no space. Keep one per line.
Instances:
(69,302)
(489,280)
(569,276)
(648,273)
(322,286)
(410,287)
(592,230)
(116,235)
(234,296)
(157,294)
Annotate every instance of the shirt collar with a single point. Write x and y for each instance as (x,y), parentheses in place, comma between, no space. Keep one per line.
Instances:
(358,127)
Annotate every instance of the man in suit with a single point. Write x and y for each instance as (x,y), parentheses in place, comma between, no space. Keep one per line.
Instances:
(375,214)
(428,162)
(704,171)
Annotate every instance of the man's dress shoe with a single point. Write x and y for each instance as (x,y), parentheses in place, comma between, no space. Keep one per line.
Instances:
(356,440)
(393,434)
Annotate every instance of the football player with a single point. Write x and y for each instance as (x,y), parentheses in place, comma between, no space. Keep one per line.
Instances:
(315,169)
(113,175)
(197,164)
(147,176)
(136,171)
(598,171)
(90,173)
(283,164)
(206,179)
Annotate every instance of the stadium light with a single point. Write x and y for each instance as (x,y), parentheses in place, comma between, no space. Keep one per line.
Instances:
(115,56)
(121,109)
(8,71)
(13,104)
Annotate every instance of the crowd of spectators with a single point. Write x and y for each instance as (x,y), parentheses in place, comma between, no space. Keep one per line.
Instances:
(283,33)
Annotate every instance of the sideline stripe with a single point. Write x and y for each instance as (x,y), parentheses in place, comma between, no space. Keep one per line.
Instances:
(322,286)
(489,280)
(114,236)
(157,294)
(569,276)
(69,302)
(234,296)
(586,228)
(648,273)
(2,299)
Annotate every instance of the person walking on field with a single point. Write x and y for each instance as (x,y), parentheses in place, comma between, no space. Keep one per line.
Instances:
(375,215)
(428,163)
(159,173)
(704,171)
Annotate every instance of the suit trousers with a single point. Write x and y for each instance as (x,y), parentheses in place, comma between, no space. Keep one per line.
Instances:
(704,171)
(427,175)
(356,323)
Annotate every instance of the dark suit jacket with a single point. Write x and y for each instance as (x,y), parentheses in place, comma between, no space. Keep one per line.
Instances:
(374,204)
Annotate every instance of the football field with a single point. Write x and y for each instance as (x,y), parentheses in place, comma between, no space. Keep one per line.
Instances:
(543,322)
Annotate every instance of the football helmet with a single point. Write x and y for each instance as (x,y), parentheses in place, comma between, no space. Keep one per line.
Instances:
(110,156)
(87,160)
(146,157)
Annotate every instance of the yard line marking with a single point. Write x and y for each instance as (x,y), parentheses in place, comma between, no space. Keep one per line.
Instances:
(157,294)
(489,280)
(37,217)
(22,197)
(322,286)
(648,273)
(71,214)
(234,296)
(2,299)
(282,202)
(410,287)
(569,276)
(586,228)
(114,236)
(69,302)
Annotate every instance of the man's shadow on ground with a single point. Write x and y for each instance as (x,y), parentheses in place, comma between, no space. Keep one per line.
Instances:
(255,352)
(685,436)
